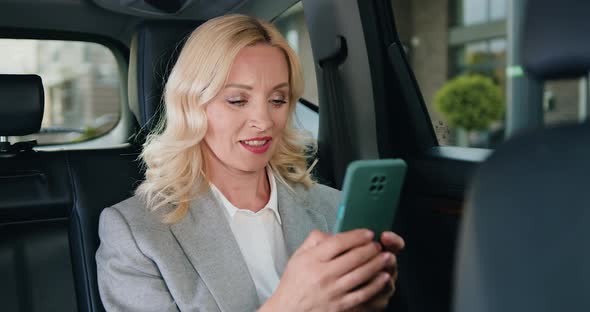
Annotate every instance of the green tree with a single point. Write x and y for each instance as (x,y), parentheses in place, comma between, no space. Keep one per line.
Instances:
(470,102)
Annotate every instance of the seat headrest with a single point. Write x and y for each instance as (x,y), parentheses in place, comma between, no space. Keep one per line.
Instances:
(524,239)
(555,41)
(21,104)
(154,49)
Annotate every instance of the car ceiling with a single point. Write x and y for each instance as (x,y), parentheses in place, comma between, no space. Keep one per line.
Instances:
(115,19)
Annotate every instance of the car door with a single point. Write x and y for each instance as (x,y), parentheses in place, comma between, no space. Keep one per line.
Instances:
(371,107)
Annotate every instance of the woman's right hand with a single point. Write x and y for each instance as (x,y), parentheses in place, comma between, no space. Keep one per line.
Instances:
(331,273)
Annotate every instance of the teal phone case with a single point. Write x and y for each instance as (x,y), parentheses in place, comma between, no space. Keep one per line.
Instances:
(370,195)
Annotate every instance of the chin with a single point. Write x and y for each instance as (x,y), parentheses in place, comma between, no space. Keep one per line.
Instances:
(252,162)
(252,165)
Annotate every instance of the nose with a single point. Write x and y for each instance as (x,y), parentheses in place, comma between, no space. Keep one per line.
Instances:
(261,116)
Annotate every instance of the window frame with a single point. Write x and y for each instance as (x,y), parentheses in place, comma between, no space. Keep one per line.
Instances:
(123,129)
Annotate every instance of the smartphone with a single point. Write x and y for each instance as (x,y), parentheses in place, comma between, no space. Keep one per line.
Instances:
(370,195)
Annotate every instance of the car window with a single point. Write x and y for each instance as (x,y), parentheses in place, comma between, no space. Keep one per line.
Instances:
(459,59)
(81,83)
(292,25)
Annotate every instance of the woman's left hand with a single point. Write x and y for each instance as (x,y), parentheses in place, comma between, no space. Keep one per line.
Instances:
(393,244)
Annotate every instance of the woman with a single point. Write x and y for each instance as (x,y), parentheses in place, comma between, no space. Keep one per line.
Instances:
(228,217)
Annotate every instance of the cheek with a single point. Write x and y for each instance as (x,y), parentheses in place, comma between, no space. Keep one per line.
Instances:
(215,124)
(280,118)
(210,123)
(223,125)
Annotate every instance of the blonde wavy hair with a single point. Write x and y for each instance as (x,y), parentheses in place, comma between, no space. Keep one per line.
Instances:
(173,155)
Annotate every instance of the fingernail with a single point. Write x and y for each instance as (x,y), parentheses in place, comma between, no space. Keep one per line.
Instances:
(386,256)
(369,234)
(385,277)
(377,246)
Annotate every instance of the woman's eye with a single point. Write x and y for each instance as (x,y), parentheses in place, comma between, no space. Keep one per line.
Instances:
(236,101)
(278,101)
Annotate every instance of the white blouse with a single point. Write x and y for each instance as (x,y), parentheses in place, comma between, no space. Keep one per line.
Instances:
(260,238)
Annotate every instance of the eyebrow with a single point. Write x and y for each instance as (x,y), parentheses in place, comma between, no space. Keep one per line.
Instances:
(247,87)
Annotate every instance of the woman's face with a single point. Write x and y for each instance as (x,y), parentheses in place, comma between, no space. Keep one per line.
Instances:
(247,118)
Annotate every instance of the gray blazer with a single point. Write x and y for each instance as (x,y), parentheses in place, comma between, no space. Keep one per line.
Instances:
(195,264)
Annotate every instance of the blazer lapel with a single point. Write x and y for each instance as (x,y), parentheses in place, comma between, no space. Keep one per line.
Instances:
(298,216)
(207,239)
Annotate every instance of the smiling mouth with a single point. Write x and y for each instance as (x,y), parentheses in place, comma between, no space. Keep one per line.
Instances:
(255,143)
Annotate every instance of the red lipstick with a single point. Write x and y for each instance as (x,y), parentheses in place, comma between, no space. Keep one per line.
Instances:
(257,145)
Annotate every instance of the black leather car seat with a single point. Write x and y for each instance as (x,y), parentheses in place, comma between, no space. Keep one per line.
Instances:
(35,203)
(525,236)
(154,49)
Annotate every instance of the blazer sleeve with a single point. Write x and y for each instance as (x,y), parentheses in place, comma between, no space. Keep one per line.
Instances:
(127,279)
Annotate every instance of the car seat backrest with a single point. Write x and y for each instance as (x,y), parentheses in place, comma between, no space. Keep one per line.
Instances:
(524,238)
(35,202)
(100,178)
(154,49)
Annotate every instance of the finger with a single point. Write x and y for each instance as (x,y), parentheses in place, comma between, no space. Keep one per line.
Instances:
(365,293)
(313,239)
(363,273)
(391,266)
(381,299)
(341,242)
(388,290)
(392,242)
(353,258)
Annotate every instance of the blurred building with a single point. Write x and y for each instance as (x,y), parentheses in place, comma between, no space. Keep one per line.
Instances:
(82,84)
